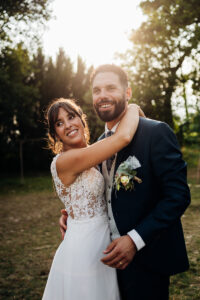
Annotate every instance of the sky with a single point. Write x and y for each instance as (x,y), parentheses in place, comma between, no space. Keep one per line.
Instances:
(93,29)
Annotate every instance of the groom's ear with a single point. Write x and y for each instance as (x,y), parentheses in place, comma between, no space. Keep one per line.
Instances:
(128,93)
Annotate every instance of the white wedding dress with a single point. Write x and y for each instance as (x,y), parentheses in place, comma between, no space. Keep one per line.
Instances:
(77,271)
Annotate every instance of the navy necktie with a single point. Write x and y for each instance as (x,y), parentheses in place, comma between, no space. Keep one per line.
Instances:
(110,160)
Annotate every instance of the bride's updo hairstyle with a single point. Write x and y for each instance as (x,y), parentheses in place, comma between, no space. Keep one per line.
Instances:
(51,116)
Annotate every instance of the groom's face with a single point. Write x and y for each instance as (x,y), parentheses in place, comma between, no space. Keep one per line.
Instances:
(109,96)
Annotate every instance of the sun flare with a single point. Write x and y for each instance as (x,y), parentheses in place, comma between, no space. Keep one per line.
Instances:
(93,29)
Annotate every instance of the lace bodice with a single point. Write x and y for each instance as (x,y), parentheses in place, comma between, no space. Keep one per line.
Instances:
(84,198)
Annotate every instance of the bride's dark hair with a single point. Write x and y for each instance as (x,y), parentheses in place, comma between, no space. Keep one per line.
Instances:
(51,116)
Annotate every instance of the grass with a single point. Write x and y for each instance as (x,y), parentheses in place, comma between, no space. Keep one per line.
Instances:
(186,286)
(30,235)
(36,184)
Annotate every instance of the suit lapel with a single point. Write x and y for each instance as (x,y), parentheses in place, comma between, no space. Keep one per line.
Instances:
(121,156)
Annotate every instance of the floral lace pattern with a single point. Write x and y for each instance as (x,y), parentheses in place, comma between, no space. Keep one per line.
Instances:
(84,198)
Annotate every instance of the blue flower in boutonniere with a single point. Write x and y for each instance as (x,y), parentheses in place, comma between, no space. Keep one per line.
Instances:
(126,174)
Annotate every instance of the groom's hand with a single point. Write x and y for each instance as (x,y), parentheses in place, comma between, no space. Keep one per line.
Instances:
(120,252)
(62,222)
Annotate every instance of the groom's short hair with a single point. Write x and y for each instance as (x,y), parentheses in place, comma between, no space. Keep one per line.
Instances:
(111,68)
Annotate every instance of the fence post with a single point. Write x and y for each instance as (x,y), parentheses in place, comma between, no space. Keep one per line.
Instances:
(21,161)
(198,171)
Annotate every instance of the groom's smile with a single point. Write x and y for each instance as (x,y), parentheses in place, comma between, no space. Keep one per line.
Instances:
(106,105)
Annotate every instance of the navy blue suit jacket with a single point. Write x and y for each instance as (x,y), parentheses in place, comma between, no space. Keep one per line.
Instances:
(155,206)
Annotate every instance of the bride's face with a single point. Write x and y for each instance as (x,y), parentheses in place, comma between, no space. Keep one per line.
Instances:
(69,130)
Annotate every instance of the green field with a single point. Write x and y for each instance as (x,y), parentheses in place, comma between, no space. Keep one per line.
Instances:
(30,235)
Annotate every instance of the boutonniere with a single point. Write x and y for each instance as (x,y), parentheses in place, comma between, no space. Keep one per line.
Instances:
(126,174)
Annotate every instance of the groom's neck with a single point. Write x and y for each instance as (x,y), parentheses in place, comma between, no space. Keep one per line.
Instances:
(112,123)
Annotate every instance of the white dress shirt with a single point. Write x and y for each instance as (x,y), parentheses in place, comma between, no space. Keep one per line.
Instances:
(114,231)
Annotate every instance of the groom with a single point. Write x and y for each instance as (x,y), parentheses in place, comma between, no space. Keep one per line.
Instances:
(147,238)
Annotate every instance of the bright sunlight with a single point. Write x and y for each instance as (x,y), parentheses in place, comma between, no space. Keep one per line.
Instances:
(93,29)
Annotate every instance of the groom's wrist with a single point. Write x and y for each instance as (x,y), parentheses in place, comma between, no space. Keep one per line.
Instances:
(136,238)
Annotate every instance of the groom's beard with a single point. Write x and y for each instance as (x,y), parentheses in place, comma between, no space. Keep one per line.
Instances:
(107,116)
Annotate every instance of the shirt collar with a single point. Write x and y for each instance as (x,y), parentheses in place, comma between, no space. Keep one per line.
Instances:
(113,128)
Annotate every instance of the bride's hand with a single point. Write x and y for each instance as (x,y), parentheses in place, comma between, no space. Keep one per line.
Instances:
(129,123)
(141,113)
(132,107)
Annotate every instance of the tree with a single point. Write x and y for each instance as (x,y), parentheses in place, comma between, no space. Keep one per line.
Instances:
(28,83)
(162,47)
(18,94)
(80,81)
(17,101)
(18,18)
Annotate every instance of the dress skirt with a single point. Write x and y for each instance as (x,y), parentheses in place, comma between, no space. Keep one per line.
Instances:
(77,272)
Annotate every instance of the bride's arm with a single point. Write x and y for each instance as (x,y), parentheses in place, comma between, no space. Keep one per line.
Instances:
(74,161)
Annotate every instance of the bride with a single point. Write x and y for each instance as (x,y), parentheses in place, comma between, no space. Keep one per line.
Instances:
(77,271)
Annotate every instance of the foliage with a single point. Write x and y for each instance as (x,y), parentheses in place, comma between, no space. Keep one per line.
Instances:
(164,45)
(18,93)
(19,17)
(17,101)
(27,86)
(59,79)
(191,155)
(192,132)
(188,133)
(28,82)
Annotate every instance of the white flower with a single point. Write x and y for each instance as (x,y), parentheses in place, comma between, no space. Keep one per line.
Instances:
(124,180)
(126,174)
(133,162)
